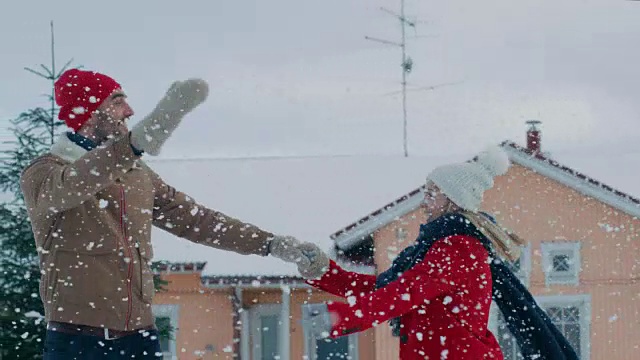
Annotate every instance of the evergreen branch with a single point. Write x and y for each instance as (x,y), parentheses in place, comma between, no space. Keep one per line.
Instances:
(35,72)
(50,76)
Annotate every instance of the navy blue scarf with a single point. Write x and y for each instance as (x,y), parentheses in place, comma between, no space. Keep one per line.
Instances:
(89,144)
(535,333)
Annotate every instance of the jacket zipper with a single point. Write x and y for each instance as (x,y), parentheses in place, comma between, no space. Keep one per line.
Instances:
(127,245)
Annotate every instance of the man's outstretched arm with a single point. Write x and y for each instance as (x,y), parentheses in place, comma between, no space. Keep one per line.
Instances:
(180,215)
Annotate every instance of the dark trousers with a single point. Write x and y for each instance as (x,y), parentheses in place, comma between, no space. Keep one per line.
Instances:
(62,346)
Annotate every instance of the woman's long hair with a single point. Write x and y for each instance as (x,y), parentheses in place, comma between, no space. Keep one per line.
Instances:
(505,242)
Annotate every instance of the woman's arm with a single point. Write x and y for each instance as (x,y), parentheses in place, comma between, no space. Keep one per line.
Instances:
(343,283)
(450,263)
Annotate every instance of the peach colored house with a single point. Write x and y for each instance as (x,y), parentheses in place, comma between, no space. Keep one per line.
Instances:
(225,317)
(581,263)
(581,260)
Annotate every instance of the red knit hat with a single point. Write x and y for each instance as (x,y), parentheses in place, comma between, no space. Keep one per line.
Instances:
(79,93)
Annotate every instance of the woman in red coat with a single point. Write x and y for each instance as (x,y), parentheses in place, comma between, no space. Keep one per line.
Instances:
(438,292)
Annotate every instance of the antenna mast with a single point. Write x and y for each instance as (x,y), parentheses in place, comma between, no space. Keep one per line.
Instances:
(407,64)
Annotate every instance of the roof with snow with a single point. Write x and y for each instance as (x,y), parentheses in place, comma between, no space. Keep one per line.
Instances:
(312,197)
(179,267)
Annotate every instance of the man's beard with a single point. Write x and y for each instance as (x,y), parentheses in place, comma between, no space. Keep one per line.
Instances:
(109,128)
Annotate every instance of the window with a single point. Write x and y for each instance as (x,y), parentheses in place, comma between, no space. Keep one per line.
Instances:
(507,342)
(571,314)
(522,267)
(342,348)
(164,323)
(265,324)
(166,316)
(561,262)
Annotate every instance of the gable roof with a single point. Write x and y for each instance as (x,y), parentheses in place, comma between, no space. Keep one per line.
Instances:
(538,162)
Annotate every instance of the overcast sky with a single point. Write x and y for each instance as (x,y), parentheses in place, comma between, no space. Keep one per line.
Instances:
(298,77)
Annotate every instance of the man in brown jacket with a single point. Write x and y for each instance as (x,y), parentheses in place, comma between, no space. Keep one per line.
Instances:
(92,203)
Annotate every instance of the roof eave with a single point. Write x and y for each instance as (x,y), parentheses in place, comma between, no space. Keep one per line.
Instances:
(586,188)
(349,238)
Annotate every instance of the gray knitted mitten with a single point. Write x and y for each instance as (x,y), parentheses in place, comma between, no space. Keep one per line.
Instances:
(153,131)
(318,261)
(286,249)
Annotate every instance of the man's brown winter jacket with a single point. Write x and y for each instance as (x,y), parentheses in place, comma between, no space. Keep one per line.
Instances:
(92,213)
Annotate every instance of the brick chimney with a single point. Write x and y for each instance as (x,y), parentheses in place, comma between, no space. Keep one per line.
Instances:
(533,136)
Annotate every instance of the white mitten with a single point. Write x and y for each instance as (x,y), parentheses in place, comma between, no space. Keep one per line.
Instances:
(286,249)
(153,131)
(318,263)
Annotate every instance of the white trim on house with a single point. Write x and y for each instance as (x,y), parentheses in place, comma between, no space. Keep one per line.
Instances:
(284,328)
(370,224)
(244,321)
(502,333)
(257,286)
(524,274)
(310,342)
(569,248)
(584,187)
(172,311)
(255,314)
(352,237)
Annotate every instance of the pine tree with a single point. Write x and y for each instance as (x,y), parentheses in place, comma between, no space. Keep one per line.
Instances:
(21,311)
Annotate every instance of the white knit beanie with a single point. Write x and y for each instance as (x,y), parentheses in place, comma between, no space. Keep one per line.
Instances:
(465,183)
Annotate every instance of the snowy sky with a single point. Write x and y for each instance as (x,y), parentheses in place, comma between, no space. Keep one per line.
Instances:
(298,77)
(295,77)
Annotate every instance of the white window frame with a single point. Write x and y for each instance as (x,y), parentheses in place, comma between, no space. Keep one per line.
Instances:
(310,341)
(172,311)
(551,249)
(524,274)
(581,301)
(255,313)
(493,321)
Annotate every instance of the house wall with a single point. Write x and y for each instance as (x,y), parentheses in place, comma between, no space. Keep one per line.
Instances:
(299,297)
(542,210)
(205,317)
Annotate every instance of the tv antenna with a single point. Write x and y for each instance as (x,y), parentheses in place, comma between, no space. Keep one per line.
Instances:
(406,65)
